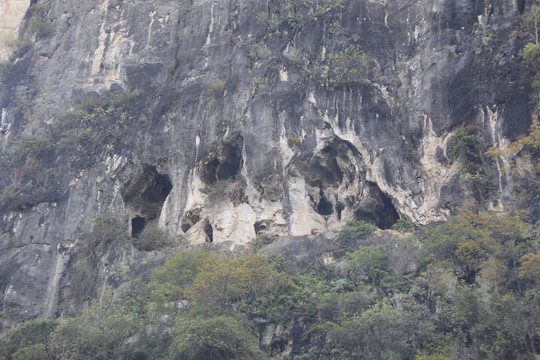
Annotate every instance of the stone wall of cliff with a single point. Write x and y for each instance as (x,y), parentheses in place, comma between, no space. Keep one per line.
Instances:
(223,120)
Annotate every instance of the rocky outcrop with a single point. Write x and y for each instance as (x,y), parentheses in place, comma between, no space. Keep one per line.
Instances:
(11,15)
(262,117)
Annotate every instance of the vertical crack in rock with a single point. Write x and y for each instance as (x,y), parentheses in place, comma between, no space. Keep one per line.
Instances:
(208,230)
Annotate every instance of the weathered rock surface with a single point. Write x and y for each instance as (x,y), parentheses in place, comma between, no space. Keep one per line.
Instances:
(244,124)
(11,15)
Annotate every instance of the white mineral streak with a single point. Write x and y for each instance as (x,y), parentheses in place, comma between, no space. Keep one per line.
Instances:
(492,122)
(100,51)
(434,176)
(234,223)
(304,220)
(283,76)
(113,47)
(51,297)
(211,26)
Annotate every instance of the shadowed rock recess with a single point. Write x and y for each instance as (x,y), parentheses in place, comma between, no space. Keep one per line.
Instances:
(222,120)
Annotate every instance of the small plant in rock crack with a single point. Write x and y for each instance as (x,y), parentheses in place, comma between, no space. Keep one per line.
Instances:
(154,238)
(349,65)
(294,142)
(217,90)
(39,23)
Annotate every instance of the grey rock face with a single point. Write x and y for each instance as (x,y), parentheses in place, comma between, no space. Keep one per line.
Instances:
(254,117)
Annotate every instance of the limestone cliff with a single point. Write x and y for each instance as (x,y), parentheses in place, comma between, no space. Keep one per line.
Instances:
(239,118)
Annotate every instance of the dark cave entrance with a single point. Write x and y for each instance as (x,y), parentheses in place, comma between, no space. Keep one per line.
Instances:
(209,231)
(339,208)
(223,163)
(190,218)
(160,189)
(146,192)
(260,226)
(324,207)
(378,210)
(137,225)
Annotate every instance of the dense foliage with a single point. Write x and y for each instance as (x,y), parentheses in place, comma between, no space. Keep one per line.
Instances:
(468,288)
(465,289)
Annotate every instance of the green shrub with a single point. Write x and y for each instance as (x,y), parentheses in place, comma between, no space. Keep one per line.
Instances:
(257,50)
(26,102)
(350,65)
(403,226)
(261,241)
(173,65)
(93,124)
(39,23)
(79,134)
(352,232)
(32,352)
(466,146)
(531,56)
(31,340)
(33,158)
(488,40)
(218,337)
(328,6)
(11,43)
(7,195)
(217,90)
(294,141)
(108,236)
(153,238)
(99,333)
(272,22)
(367,265)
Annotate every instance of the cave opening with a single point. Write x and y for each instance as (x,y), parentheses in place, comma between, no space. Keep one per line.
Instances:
(377,209)
(190,218)
(229,167)
(137,225)
(389,215)
(210,171)
(325,166)
(223,163)
(339,208)
(209,231)
(259,226)
(161,188)
(324,207)
(146,192)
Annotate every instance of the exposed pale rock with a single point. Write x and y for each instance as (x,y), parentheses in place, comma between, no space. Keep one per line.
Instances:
(241,129)
(11,15)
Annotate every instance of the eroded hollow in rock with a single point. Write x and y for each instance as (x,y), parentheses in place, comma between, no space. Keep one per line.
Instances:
(324,207)
(339,208)
(190,218)
(224,162)
(146,191)
(209,231)
(323,167)
(377,208)
(137,225)
(261,226)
